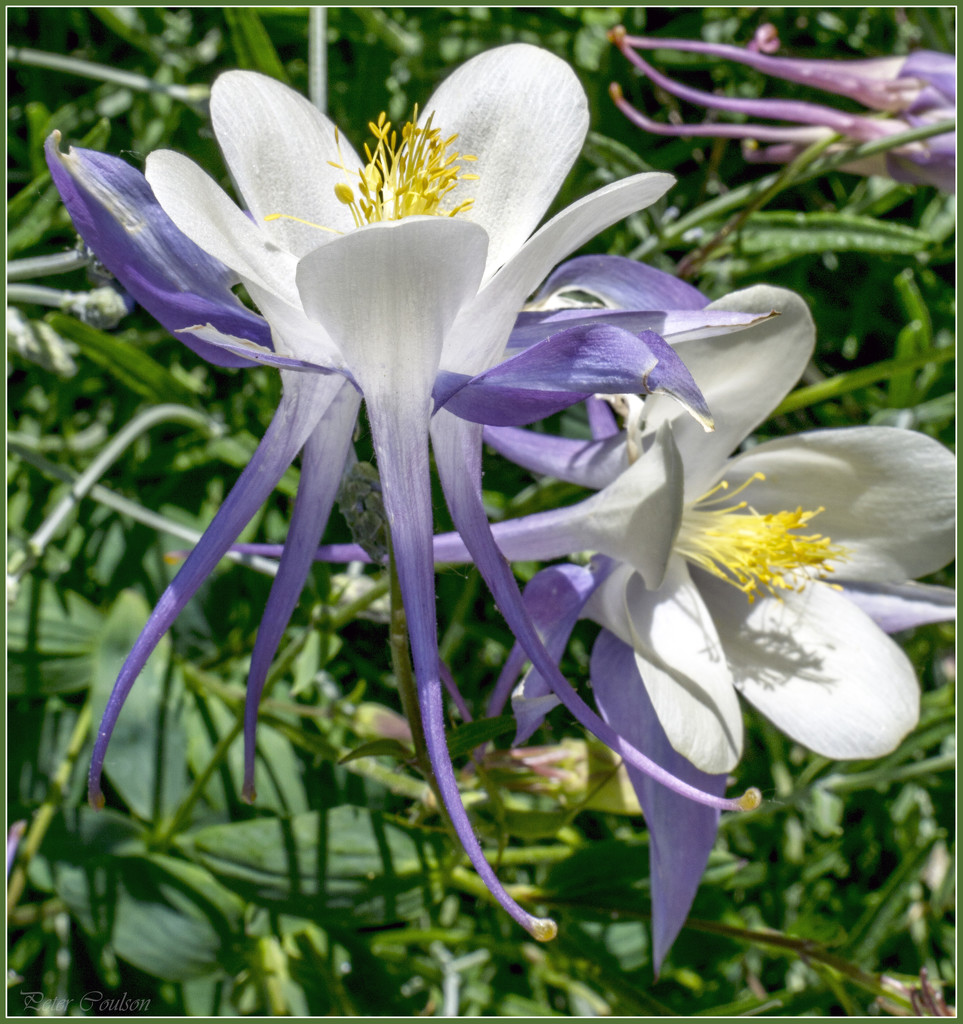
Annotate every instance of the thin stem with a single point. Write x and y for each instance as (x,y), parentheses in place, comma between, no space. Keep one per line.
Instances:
(853,380)
(43,266)
(788,176)
(138,513)
(193,95)
(318,57)
(37,544)
(181,815)
(45,813)
(405,676)
(805,949)
(40,295)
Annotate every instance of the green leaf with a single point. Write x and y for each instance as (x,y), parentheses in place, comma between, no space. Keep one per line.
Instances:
(51,638)
(166,917)
(252,45)
(383,748)
(805,233)
(473,734)
(134,368)
(329,865)
(145,761)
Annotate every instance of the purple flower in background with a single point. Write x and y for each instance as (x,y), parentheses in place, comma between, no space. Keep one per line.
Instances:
(914,91)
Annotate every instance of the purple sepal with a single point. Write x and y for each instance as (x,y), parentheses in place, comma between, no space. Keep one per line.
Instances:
(681,831)
(180,285)
(938,71)
(554,598)
(602,421)
(622,283)
(592,464)
(322,460)
(301,407)
(565,368)
(897,606)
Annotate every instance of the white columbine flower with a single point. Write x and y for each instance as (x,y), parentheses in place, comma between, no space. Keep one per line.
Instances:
(750,573)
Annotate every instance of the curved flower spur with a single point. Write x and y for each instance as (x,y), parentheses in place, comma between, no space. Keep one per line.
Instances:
(397,282)
(914,91)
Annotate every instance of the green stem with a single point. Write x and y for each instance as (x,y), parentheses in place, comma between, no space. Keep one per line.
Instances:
(674,235)
(853,380)
(318,57)
(45,813)
(405,675)
(42,266)
(138,513)
(788,176)
(181,815)
(37,544)
(805,949)
(193,95)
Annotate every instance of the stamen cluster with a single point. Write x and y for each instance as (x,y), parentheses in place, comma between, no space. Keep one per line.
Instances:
(752,551)
(405,179)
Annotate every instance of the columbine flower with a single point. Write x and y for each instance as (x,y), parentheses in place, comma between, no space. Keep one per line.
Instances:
(915,90)
(397,279)
(775,573)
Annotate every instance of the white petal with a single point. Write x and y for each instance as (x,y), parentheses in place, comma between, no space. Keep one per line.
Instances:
(478,338)
(818,667)
(203,211)
(889,495)
(635,519)
(743,377)
(388,293)
(523,113)
(680,658)
(277,146)
(293,332)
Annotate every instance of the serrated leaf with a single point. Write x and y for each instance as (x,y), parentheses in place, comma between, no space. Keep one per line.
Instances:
(135,369)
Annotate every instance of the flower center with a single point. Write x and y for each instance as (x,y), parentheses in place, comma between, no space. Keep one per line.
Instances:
(405,178)
(754,552)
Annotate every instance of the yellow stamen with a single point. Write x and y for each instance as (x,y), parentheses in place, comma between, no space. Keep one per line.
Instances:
(754,552)
(405,179)
(299,220)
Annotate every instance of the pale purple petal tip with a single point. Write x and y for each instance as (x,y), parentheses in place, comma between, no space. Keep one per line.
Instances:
(681,831)
(296,416)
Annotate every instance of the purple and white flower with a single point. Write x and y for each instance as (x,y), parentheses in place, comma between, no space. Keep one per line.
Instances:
(396,279)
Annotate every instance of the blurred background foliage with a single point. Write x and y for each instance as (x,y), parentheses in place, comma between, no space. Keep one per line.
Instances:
(338,892)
